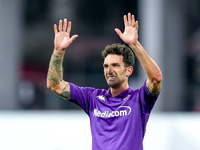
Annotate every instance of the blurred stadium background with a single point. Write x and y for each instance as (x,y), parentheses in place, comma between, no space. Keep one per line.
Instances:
(32,117)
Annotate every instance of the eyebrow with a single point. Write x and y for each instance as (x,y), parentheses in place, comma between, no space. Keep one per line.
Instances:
(111,64)
(115,63)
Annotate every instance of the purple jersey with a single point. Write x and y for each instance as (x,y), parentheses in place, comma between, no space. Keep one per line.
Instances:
(117,123)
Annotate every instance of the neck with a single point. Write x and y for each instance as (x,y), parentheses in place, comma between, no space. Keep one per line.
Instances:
(116,91)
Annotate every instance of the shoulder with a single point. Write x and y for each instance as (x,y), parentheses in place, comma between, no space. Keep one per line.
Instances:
(147,99)
(143,92)
(75,89)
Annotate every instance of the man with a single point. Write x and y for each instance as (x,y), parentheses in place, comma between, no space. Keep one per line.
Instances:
(118,116)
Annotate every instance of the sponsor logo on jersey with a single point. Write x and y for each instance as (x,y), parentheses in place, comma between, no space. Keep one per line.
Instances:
(121,112)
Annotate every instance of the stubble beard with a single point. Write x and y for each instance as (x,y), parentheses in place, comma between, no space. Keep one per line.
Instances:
(116,84)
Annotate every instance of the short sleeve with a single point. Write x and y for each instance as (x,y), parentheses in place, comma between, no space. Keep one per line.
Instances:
(147,99)
(80,96)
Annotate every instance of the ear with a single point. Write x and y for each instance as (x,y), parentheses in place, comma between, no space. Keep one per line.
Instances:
(129,71)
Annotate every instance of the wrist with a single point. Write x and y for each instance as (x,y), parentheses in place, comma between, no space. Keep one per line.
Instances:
(136,47)
(59,51)
(58,55)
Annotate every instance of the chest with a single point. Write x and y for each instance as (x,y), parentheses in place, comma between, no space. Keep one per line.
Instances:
(118,107)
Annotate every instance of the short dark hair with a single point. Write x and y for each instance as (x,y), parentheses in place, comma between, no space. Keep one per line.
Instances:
(120,49)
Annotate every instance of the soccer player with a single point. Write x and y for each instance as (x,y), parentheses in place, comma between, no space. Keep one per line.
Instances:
(118,116)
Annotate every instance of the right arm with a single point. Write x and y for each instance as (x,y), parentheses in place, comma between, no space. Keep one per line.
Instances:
(130,37)
(62,40)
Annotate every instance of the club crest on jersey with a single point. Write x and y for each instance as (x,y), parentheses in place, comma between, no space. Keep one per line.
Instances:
(127,97)
(101,97)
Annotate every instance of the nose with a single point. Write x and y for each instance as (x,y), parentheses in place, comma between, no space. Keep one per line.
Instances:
(109,70)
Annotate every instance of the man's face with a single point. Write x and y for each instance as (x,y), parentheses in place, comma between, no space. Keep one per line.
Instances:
(114,70)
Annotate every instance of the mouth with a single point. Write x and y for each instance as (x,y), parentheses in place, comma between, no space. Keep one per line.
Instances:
(111,77)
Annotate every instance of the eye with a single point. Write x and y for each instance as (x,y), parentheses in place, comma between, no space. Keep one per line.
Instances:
(105,66)
(116,65)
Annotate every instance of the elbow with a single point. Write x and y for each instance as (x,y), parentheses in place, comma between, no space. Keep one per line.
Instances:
(159,77)
(49,85)
(154,82)
(52,86)
(157,80)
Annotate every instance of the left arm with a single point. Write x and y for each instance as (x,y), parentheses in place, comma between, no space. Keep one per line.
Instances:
(151,69)
(130,37)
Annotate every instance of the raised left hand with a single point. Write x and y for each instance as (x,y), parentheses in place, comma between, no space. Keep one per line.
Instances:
(130,34)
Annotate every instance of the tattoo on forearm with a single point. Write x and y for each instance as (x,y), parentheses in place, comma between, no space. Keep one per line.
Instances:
(52,78)
(55,72)
(152,91)
(65,93)
(57,64)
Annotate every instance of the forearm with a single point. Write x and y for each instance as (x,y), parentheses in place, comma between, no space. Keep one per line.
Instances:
(55,71)
(150,67)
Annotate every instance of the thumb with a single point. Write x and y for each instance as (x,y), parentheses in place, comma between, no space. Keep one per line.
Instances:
(73,38)
(118,32)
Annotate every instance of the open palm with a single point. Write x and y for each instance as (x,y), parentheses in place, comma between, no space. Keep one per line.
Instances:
(130,34)
(62,37)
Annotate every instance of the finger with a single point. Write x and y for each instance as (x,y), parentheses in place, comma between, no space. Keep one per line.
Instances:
(118,32)
(55,29)
(60,26)
(125,21)
(129,19)
(69,27)
(65,25)
(133,20)
(136,25)
(136,31)
(73,37)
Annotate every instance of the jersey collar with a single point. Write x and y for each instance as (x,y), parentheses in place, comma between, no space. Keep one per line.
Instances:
(123,94)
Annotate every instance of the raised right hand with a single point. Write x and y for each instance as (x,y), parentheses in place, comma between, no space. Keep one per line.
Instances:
(62,36)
